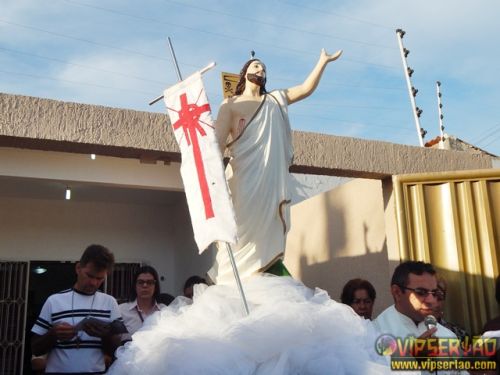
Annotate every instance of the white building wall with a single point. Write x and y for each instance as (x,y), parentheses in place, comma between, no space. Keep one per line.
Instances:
(38,229)
(188,261)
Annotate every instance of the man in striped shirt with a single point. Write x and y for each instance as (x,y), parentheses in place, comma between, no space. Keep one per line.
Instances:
(77,326)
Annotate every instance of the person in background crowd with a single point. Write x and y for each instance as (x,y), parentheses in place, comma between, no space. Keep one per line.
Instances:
(143,300)
(190,282)
(439,312)
(73,326)
(360,295)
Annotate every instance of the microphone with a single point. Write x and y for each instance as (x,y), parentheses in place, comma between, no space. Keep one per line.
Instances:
(430,321)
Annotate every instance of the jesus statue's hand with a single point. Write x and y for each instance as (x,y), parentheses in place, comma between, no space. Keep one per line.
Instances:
(329,58)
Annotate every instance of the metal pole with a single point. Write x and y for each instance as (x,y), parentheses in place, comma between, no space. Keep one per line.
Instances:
(237,276)
(228,247)
(174,59)
(204,70)
(440,112)
(411,89)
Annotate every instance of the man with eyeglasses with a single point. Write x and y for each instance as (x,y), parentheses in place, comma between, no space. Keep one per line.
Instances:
(414,288)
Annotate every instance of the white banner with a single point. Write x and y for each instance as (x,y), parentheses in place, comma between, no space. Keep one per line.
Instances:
(202,169)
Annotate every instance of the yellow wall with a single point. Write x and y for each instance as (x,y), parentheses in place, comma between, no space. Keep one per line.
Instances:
(452,220)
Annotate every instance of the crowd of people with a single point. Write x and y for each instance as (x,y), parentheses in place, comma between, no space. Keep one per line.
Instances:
(79,329)
(83,317)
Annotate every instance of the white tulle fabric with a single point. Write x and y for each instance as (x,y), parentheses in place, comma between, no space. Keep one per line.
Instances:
(291,329)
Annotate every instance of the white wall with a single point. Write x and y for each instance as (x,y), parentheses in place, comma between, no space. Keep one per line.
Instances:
(188,261)
(137,210)
(37,229)
(63,166)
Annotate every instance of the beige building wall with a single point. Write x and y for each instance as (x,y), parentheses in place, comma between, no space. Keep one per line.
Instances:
(340,235)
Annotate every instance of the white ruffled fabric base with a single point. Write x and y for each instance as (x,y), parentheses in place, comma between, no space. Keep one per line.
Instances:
(291,330)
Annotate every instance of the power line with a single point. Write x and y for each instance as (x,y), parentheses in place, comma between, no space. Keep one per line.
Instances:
(341,84)
(349,121)
(270,45)
(77,82)
(81,65)
(322,105)
(84,40)
(322,11)
(186,27)
(494,140)
(277,25)
(489,132)
(163,83)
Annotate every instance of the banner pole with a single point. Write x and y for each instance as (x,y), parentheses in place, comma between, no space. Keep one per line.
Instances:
(174,59)
(237,276)
(228,247)
(178,71)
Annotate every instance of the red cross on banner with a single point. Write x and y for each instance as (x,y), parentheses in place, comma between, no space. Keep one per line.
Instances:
(202,168)
(189,121)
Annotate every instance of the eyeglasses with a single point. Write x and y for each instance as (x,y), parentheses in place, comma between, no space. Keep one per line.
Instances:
(145,282)
(423,292)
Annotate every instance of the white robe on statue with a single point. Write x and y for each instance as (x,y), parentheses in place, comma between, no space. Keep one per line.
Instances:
(260,184)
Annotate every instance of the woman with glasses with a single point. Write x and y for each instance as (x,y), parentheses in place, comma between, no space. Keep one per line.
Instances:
(143,300)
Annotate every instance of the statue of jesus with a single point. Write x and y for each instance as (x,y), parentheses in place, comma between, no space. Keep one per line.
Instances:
(253,125)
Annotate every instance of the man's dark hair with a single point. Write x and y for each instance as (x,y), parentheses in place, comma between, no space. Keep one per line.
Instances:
(240,87)
(497,289)
(350,288)
(99,256)
(401,273)
(150,270)
(194,280)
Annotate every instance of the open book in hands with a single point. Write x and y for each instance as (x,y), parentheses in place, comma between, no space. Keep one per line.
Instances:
(115,327)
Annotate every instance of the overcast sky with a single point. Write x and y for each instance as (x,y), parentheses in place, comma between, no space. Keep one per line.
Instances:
(114,53)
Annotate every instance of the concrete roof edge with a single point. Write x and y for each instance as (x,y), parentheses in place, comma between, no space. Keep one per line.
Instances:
(46,124)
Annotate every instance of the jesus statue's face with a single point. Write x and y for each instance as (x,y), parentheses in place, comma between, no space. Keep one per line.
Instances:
(256,73)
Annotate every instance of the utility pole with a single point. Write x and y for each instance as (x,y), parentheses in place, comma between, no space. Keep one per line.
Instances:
(440,112)
(412,91)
